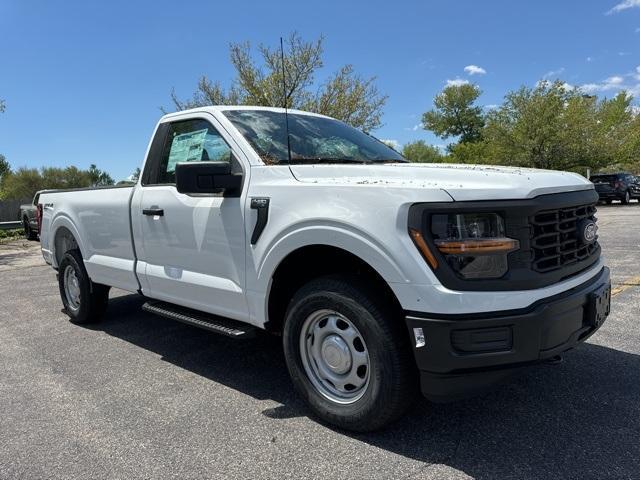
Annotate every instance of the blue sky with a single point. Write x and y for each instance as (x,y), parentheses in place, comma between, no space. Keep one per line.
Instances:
(83,80)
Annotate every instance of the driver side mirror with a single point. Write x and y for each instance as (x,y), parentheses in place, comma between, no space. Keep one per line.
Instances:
(205,178)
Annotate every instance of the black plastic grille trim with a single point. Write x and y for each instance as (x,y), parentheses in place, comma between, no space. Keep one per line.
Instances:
(555,241)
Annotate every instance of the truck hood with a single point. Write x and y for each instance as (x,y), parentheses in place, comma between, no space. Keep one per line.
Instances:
(461,182)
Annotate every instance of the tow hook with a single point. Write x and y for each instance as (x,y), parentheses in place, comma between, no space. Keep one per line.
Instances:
(555,360)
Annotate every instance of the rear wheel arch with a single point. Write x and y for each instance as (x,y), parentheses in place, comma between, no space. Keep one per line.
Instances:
(63,241)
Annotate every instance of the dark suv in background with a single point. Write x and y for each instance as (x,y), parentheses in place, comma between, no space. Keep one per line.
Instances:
(616,186)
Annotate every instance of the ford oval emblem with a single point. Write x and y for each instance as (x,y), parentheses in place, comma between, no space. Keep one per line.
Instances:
(588,231)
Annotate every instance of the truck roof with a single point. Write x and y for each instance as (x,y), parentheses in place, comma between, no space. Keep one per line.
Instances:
(221,108)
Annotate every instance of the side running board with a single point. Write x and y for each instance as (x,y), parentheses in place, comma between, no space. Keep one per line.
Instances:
(224,326)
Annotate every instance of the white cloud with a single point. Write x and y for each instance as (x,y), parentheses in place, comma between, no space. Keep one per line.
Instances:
(614,81)
(392,143)
(553,73)
(568,87)
(415,128)
(590,87)
(623,54)
(624,5)
(629,82)
(474,70)
(637,30)
(589,59)
(457,82)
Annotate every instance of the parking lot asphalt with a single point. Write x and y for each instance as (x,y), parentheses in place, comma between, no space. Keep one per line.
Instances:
(139,396)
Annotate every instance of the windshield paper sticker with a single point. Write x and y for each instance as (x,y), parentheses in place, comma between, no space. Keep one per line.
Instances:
(186,148)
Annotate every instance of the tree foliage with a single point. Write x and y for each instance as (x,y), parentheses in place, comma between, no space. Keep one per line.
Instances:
(549,126)
(99,177)
(455,114)
(4,166)
(25,182)
(421,152)
(345,95)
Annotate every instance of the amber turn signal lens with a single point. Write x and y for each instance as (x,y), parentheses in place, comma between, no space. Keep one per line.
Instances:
(418,239)
(471,247)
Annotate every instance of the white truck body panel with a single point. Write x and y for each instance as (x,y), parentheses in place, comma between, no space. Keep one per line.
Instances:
(198,254)
(98,219)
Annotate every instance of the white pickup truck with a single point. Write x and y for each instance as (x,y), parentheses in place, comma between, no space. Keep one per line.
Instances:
(381,276)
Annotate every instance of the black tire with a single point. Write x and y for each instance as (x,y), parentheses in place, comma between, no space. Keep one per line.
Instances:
(93,297)
(626,199)
(392,382)
(608,202)
(29,234)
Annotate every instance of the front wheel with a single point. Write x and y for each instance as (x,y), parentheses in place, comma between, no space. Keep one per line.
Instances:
(83,300)
(349,357)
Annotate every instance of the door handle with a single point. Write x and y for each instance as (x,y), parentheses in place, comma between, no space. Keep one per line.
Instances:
(153,212)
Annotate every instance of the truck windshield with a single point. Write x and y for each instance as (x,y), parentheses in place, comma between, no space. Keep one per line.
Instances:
(312,139)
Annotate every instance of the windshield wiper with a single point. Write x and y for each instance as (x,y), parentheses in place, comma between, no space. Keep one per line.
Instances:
(305,160)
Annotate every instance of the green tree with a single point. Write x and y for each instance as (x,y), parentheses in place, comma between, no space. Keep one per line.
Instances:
(99,177)
(455,114)
(477,152)
(25,182)
(552,126)
(421,152)
(344,95)
(4,166)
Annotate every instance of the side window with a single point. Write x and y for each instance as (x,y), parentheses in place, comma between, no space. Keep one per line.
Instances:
(190,141)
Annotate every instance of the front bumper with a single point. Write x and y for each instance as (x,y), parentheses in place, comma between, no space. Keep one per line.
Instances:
(466,353)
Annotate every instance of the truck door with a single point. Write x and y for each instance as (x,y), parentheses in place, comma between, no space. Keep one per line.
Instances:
(192,248)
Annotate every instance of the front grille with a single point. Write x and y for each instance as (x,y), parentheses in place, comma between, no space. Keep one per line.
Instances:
(555,241)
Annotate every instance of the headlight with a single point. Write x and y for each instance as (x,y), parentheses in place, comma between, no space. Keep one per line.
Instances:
(474,245)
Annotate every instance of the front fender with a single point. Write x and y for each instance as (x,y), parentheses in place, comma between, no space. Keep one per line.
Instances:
(347,238)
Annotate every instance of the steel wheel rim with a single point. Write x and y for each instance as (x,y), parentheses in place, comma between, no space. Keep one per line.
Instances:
(71,288)
(335,356)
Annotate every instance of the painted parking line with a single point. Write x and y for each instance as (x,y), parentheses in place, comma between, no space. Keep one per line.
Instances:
(632,282)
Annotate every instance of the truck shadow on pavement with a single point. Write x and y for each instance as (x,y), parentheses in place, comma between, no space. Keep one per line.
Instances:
(579,419)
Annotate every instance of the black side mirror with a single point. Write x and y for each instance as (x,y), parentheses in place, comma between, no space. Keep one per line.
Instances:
(207,178)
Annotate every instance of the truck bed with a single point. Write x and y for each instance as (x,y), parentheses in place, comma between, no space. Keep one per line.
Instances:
(102,218)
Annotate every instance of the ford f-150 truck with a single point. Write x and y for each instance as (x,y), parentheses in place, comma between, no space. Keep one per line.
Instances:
(29,217)
(381,276)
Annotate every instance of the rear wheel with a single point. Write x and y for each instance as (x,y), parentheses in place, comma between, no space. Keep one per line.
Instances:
(83,300)
(29,234)
(627,198)
(348,355)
